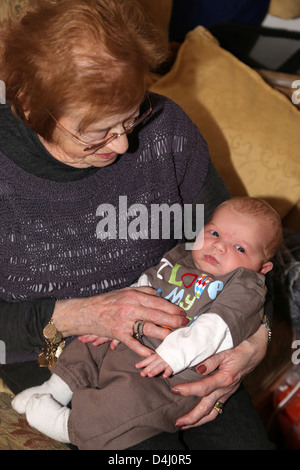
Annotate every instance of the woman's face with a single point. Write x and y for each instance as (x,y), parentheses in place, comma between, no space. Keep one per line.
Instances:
(67,150)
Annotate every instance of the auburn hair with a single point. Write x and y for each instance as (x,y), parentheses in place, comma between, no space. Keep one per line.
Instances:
(65,53)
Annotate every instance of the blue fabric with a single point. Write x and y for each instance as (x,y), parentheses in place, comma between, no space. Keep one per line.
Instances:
(187,15)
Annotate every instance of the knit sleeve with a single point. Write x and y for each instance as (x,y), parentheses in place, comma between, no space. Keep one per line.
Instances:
(22,323)
(191,158)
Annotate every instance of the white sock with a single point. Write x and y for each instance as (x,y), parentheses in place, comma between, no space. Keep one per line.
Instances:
(55,386)
(49,417)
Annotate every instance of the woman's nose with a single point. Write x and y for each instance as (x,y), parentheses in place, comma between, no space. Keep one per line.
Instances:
(119,145)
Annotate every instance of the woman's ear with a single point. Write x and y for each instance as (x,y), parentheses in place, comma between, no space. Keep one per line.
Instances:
(266,267)
(23,101)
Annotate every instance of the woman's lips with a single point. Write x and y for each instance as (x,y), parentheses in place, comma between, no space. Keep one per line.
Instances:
(107,156)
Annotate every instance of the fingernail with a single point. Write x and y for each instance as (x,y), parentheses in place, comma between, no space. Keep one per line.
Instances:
(174,390)
(185,321)
(201,369)
(182,313)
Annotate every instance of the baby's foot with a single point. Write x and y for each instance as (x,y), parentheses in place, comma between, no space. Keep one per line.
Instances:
(49,417)
(55,386)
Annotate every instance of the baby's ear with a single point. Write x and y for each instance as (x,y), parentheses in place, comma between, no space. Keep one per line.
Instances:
(266,267)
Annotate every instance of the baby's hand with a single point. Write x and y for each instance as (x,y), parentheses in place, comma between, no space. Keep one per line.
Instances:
(97,340)
(154,365)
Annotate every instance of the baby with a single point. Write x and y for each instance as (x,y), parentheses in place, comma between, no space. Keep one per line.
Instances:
(221,286)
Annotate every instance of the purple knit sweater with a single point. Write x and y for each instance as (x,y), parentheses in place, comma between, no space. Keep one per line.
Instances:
(49,244)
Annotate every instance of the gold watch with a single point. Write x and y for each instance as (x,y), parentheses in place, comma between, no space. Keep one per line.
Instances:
(54,344)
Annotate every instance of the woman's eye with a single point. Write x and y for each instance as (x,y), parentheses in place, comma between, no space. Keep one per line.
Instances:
(94,137)
(214,233)
(240,249)
(129,123)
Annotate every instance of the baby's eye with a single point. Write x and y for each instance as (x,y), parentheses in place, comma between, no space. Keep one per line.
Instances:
(214,233)
(240,248)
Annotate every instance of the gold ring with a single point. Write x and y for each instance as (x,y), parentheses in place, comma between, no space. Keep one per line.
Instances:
(218,406)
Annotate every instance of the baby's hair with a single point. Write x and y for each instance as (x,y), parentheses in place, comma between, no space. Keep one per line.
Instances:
(263,212)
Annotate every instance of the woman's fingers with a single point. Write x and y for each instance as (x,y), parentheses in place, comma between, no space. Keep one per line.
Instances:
(155,331)
(137,347)
(158,310)
(204,411)
(119,311)
(226,370)
(219,380)
(113,315)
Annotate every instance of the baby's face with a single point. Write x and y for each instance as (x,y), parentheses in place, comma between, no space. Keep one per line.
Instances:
(231,240)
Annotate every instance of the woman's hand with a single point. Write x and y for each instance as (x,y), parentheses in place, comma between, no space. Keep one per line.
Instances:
(112,316)
(232,367)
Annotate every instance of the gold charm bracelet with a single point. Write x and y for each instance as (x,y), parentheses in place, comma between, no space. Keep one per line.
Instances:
(54,344)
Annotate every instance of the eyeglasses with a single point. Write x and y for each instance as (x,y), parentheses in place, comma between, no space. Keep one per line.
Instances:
(128,125)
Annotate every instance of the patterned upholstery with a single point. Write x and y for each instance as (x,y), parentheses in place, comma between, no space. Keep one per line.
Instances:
(14,8)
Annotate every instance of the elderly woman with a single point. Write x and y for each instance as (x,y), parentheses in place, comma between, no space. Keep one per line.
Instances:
(80,133)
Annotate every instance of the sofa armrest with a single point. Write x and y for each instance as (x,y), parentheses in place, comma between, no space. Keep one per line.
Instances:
(284,82)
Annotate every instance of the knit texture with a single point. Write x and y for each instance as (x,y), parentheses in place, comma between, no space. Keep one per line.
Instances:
(48,235)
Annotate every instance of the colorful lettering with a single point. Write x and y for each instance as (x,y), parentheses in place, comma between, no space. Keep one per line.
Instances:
(175,297)
(164,264)
(189,303)
(201,284)
(172,279)
(194,276)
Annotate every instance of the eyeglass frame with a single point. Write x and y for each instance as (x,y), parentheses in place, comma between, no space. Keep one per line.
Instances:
(112,137)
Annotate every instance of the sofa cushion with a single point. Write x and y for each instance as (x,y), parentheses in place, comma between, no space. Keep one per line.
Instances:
(286,9)
(251,129)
